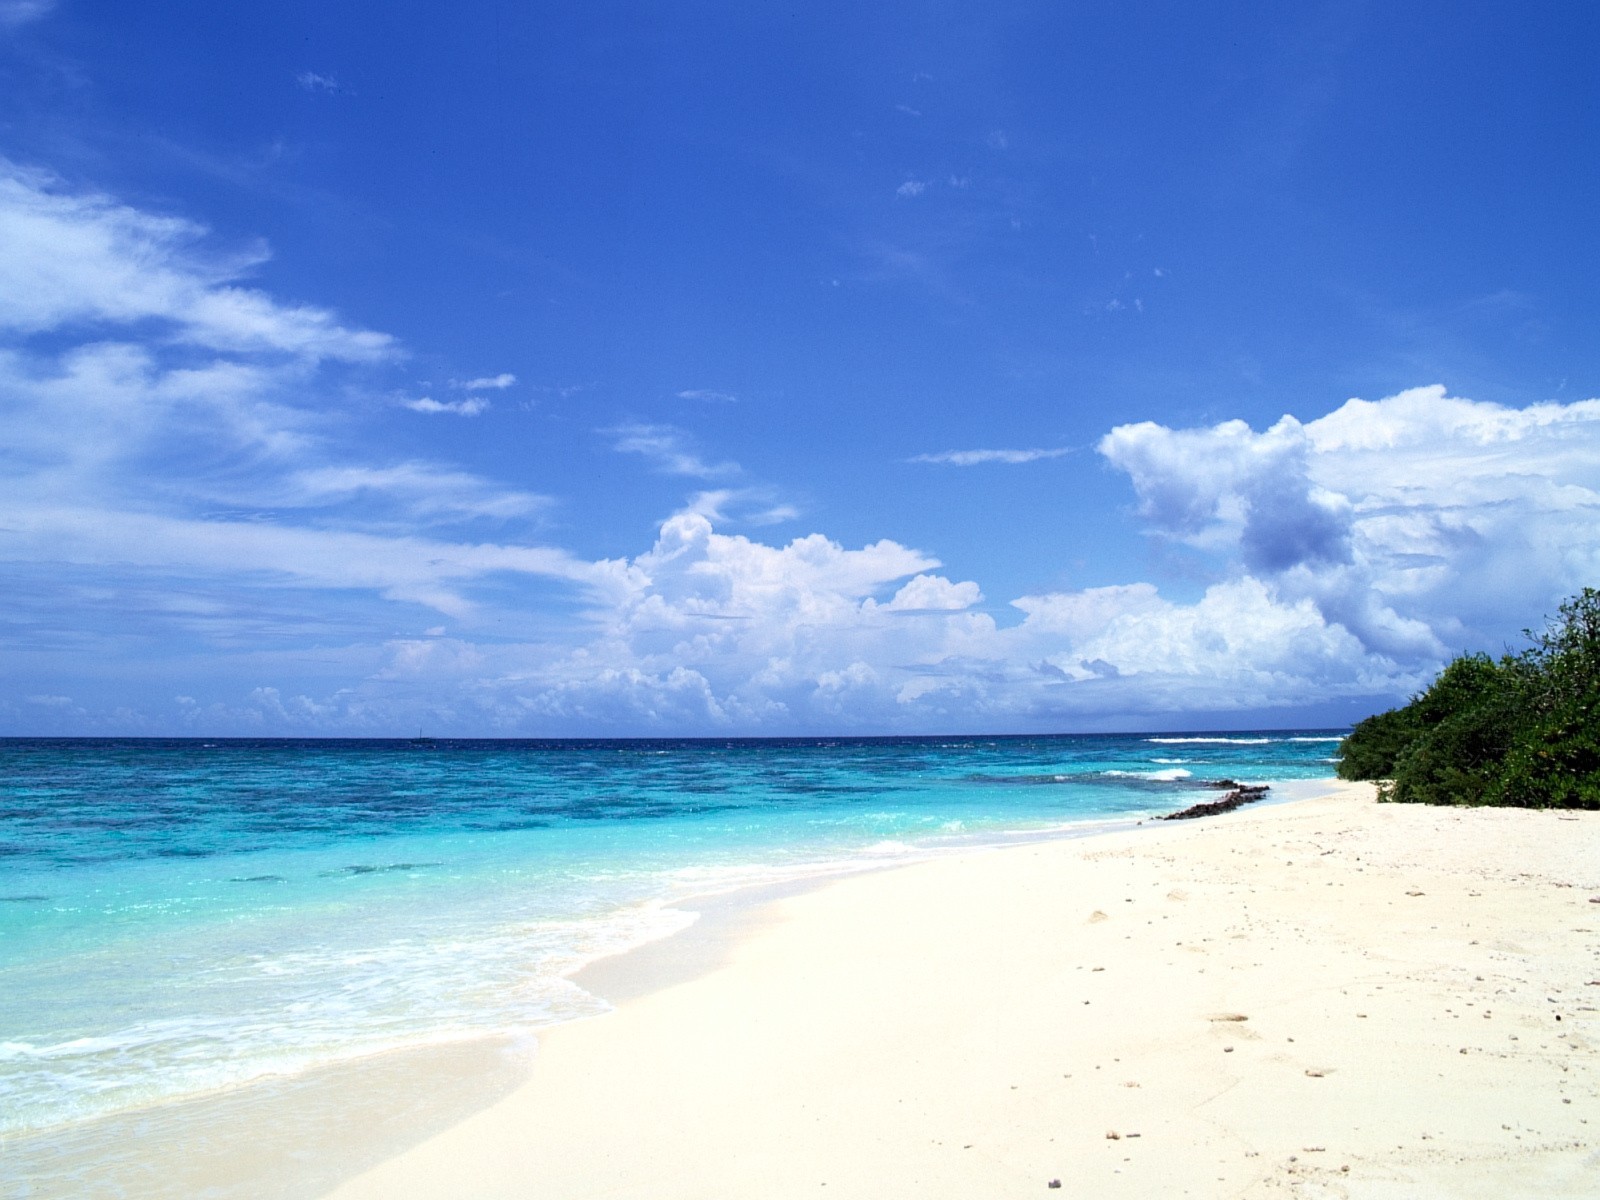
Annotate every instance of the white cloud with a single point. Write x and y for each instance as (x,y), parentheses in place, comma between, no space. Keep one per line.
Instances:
(911,187)
(669,449)
(424,490)
(1421,522)
(313,82)
(485,383)
(746,632)
(707,394)
(1305,611)
(1080,616)
(908,110)
(173,426)
(972,458)
(419,570)
(176,452)
(81,259)
(1237,636)
(470,407)
(934,593)
(748,506)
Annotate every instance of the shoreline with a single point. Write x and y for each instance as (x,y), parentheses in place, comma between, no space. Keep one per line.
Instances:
(723,918)
(1326,994)
(277,1126)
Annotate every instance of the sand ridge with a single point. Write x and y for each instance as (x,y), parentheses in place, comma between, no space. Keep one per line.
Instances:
(1327,998)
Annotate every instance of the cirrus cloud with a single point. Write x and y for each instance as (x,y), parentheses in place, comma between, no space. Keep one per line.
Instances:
(973,458)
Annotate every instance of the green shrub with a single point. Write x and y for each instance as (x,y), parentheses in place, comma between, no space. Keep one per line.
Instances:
(1372,747)
(1523,730)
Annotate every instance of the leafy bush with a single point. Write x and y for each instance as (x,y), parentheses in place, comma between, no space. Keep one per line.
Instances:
(1372,747)
(1523,730)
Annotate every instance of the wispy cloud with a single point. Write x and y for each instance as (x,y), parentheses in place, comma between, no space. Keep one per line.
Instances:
(485,383)
(72,258)
(708,395)
(670,449)
(170,429)
(311,81)
(469,407)
(908,110)
(421,489)
(973,458)
(743,506)
(911,187)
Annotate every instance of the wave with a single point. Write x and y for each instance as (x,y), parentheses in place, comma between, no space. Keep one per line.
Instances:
(1170,775)
(1315,739)
(1213,741)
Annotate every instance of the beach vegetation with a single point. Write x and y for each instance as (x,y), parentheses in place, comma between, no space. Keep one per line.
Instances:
(1521,730)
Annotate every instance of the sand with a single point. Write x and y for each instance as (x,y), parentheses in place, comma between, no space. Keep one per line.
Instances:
(1325,998)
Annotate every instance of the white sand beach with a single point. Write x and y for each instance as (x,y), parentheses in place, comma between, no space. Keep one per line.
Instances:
(1324,998)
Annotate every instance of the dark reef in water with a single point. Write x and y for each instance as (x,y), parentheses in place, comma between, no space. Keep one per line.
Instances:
(1242,794)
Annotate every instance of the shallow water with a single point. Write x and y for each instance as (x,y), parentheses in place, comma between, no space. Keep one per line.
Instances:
(182,916)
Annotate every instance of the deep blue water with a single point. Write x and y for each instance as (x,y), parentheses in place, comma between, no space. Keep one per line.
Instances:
(180,915)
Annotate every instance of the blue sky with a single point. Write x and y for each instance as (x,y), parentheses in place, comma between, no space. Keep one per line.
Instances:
(534,369)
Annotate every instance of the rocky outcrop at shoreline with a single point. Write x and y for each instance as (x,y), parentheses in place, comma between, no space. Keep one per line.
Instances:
(1242,794)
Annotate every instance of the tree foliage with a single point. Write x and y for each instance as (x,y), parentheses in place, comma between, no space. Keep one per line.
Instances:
(1522,730)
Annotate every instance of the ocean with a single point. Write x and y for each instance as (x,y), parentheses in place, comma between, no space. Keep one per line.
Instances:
(179,917)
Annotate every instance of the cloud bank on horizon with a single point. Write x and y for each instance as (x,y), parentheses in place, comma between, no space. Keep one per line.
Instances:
(177,447)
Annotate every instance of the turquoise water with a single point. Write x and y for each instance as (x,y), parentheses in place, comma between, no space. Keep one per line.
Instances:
(181,915)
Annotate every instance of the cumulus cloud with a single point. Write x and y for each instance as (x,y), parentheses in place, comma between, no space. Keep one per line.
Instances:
(933,593)
(759,635)
(973,458)
(470,407)
(1419,522)
(911,188)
